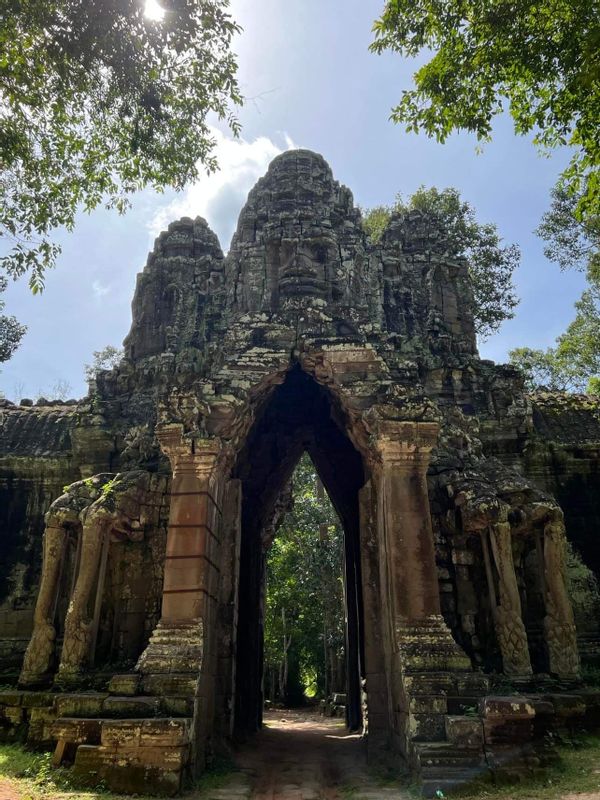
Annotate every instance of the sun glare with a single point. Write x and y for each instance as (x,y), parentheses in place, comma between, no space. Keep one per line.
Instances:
(153,10)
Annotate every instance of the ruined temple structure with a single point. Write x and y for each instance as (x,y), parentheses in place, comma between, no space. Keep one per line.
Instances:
(132,522)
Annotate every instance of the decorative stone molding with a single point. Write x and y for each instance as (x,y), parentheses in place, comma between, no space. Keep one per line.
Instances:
(40,651)
(406,444)
(508,619)
(79,623)
(559,623)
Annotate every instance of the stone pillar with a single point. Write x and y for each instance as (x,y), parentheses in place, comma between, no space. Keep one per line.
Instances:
(421,643)
(40,650)
(191,560)
(405,449)
(508,618)
(559,622)
(79,622)
(408,548)
(183,641)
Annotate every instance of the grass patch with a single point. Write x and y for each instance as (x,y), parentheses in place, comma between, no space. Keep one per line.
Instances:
(33,777)
(577,772)
(216,775)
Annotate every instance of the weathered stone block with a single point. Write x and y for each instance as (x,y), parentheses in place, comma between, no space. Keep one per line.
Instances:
(10,698)
(169,732)
(179,685)
(37,699)
(80,704)
(464,731)
(40,725)
(76,731)
(14,715)
(426,727)
(507,708)
(130,706)
(127,684)
(428,704)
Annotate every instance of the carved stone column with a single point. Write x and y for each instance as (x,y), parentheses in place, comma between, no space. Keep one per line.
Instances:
(191,571)
(405,449)
(192,559)
(420,632)
(79,622)
(559,622)
(508,618)
(40,650)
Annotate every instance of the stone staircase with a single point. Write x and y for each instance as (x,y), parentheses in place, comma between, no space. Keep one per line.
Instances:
(138,737)
(446,744)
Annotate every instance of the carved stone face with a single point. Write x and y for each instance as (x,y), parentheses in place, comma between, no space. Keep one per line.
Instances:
(303,269)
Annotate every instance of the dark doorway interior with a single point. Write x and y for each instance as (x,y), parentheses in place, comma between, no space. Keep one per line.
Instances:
(299,415)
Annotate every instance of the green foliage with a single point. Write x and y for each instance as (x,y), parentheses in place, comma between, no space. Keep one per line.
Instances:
(583,588)
(491,265)
(542,369)
(11,331)
(109,487)
(375,220)
(571,242)
(214,778)
(538,58)
(574,774)
(100,101)
(32,777)
(304,593)
(574,363)
(107,358)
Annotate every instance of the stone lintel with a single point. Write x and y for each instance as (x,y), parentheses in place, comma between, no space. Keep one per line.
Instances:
(408,443)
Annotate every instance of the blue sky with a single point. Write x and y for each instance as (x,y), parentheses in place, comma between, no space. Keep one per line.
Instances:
(309,81)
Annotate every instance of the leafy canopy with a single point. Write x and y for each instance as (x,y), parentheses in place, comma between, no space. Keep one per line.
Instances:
(538,58)
(304,615)
(107,358)
(571,242)
(97,100)
(491,264)
(574,363)
(11,331)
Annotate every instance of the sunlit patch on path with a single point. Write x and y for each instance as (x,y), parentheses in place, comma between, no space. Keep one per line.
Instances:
(299,756)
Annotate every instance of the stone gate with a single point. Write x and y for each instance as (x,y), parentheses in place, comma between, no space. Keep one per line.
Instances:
(142,617)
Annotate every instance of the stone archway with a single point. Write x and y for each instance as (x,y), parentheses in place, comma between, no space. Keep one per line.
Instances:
(298,416)
(308,336)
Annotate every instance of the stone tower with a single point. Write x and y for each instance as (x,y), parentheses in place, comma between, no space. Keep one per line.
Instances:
(445,475)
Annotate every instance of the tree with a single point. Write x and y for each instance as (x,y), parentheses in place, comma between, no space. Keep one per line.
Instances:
(304,618)
(538,58)
(11,331)
(98,101)
(61,390)
(571,242)
(107,358)
(543,369)
(574,363)
(491,265)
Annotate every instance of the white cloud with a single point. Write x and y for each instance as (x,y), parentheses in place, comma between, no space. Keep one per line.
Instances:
(100,290)
(219,197)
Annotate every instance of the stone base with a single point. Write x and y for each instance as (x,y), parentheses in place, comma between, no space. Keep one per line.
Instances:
(429,646)
(137,756)
(174,648)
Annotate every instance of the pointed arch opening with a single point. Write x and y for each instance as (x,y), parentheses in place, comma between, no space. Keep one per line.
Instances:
(299,416)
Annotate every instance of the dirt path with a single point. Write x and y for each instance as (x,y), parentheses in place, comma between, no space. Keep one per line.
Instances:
(298,756)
